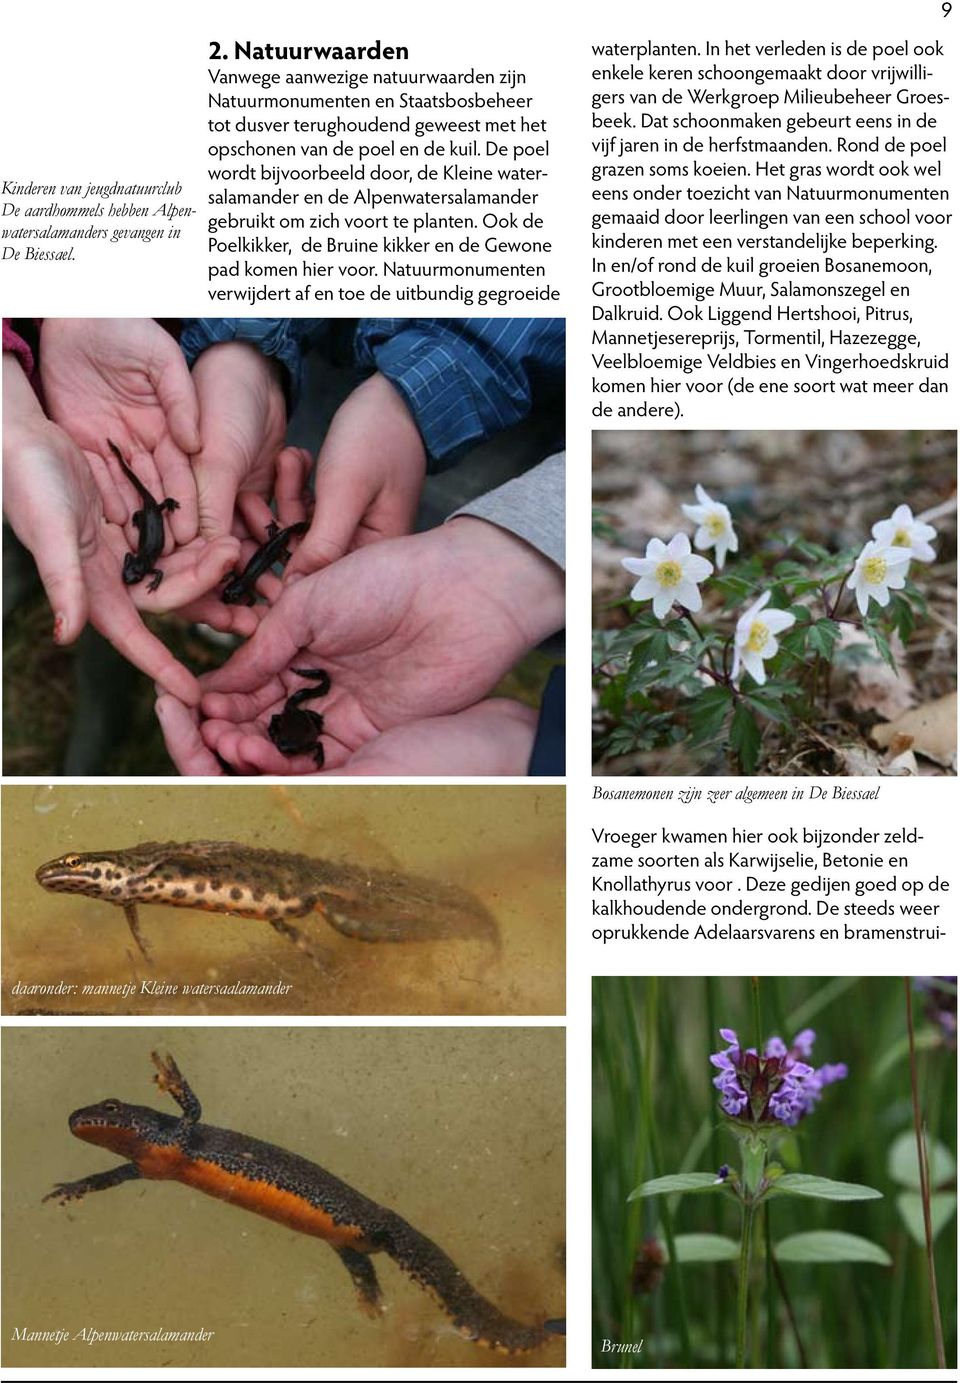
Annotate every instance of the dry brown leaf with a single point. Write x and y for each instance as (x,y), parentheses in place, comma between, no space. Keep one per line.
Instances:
(932,729)
(874,686)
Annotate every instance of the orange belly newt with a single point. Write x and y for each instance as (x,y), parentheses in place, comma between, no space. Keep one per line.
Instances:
(274,886)
(281,1186)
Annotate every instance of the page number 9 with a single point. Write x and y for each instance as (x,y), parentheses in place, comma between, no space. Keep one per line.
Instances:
(946,7)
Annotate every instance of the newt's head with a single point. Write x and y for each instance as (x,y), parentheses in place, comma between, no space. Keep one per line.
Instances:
(76,873)
(127,1129)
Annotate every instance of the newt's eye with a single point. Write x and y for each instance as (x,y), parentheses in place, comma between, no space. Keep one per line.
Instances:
(110,1106)
(72,861)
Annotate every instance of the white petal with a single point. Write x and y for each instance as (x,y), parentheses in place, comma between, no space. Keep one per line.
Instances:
(721,553)
(687,594)
(880,594)
(896,580)
(750,614)
(733,542)
(736,662)
(902,516)
(702,495)
(863,599)
(770,649)
(679,545)
(897,557)
(852,580)
(662,602)
(923,552)
(702,539)
(639,566)
(923,532)
(696,568)
(695,512)
(754,665)
(656,548)
(645,589)
(778,620)
(884,531)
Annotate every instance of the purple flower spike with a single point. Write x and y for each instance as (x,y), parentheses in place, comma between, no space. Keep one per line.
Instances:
(779,1087)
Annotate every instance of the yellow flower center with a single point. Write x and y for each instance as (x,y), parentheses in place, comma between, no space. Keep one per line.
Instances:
(874,570)
(715,525)
(669,574)
(757,638)
(901,538)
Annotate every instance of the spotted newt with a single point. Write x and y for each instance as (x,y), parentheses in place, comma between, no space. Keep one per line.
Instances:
(273,886)
(297,1193)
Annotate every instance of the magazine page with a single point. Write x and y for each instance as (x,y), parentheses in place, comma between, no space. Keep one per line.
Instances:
(479,683)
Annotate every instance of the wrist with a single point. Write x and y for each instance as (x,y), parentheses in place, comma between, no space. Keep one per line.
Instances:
(510,571)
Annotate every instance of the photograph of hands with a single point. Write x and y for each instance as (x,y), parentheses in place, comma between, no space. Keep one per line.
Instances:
(284,546)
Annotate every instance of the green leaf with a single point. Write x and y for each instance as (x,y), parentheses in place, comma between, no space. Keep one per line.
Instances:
(823,1189)
(830,1246)
(822,637)
(943,1206)
(707,713)
(705,1248)
(881,643)
(745,737)
(768,706)
(903,1166)
(901,612)
(678,1182)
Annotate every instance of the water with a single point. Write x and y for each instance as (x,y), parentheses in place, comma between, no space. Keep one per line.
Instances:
(460,1130)
(504,844)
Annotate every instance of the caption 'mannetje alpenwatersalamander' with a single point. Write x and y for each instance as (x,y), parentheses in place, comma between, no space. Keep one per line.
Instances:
(275,886)
(281,1186)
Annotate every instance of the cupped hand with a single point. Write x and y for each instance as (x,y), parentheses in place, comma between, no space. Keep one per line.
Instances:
(243,419)
(409,630)
(369,476)
(55,509)
(125,379)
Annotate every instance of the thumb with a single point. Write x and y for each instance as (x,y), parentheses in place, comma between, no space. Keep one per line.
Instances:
(282,632)
(341,499)
(178,396)
(59,566)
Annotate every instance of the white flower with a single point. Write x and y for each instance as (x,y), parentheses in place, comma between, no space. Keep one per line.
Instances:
(901,529)
(755,638)
(668,573)
(880,569)
(716,526)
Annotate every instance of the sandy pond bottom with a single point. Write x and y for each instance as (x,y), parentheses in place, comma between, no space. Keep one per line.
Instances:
(504,844)
(459,1130)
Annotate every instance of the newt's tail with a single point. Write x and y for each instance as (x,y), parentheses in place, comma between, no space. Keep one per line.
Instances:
(384,906)
(474,1316)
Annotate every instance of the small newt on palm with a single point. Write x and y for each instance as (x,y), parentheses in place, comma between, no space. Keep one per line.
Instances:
(148,522)
(240,589)
(295,730)
(274,886)
(282,1186)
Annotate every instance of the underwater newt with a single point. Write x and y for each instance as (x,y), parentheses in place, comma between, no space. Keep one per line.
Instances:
(282,1186)
(273,886)
(295,730)
(148,522)
(240,588)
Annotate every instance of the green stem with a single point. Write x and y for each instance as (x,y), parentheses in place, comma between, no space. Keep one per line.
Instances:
(746,1243)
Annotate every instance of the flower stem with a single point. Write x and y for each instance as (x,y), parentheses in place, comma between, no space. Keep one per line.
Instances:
(746,1244)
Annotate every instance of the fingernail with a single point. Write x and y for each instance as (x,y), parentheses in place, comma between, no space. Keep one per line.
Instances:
(59,621)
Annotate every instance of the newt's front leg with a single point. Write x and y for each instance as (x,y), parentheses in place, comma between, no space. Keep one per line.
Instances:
(170,1080)
(66,1191)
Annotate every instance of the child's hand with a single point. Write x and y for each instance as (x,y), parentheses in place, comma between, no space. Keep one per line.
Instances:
(55,509)
(369,477)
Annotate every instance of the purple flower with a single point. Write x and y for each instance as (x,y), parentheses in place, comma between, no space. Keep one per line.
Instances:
(777,1087)
(941,1005)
